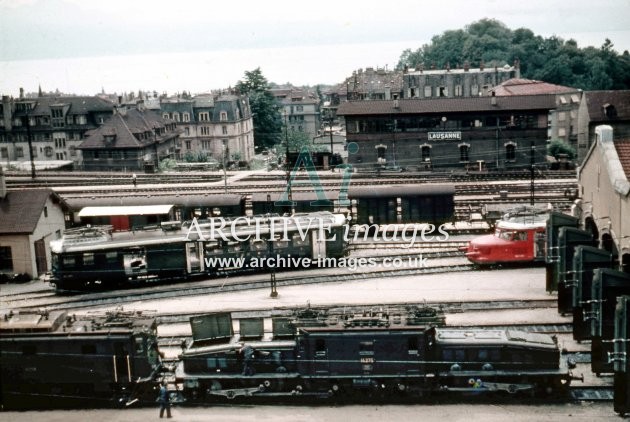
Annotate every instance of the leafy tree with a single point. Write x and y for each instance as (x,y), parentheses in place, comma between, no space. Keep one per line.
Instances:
(265,108)
(558,146)
(551,59)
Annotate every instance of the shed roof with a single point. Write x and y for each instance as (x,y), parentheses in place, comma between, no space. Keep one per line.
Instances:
(20,210)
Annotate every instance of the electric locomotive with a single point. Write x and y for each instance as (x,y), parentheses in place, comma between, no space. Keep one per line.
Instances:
(621,356)
(54,359)
(519,237)
(375,355)
(97,258)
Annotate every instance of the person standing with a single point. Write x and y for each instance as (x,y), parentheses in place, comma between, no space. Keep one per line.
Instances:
(164,401)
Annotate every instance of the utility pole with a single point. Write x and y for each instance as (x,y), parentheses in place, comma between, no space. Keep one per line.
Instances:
(288,171)
(223,149)
(330,123)
(531,162)
(27,123)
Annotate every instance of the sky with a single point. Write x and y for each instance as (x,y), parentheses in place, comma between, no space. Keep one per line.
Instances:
(89,45)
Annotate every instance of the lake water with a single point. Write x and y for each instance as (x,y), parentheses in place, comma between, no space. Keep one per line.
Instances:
(197,71)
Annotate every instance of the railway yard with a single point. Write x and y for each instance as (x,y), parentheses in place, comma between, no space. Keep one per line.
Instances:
(440,276)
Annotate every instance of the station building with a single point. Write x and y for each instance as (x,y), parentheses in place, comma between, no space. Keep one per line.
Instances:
(468,133)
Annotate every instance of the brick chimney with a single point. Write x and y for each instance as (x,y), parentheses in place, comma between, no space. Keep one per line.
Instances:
(481,65)
(466,66)
(6,112)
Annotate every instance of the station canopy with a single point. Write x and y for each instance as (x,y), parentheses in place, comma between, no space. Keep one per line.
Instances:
(125,210)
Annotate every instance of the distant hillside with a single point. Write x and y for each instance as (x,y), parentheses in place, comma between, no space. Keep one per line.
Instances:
(547,59)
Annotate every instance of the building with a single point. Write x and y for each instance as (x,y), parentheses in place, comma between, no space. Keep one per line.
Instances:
(604,178)
(465,133)
(370,84)
(134,139)
(301,110)
(29,220)
(450,83)
(213,125)
(602,108)
(57,126)
(563,119)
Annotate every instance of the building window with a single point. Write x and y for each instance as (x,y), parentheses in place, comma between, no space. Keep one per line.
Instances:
(204,117)
(562,131)
(561,116)
(474,90)
(186,117)
(4,153)
(443,91)
(224,130)
(458,90)
(223,116)
(188,144)
(34,152)
(380,154)
(463,153)
(205,131)
(48,151)
(73,151)
(176,116)
(510,152)
(187,131)
(205,145)
(426,153)
(427,91)
(6,260)
(19,152)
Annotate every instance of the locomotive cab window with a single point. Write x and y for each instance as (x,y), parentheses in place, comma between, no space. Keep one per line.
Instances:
(68,261)
(111,257)
(88,259)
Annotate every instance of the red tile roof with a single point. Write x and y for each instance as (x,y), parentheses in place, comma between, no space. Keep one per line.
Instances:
(518,86)
(623,151)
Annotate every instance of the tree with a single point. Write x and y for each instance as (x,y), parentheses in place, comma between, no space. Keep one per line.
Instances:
(265,108)
(551,59)
(558,146)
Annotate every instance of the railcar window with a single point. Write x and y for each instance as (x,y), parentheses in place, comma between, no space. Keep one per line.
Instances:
(88,259)
(482,354)
(460,355)
(280,244)
(139,345)
(448,355)
(88,349)
(68,261)
(297,240)
(320,347)
(258,245)
(506,235)
(366,348)
(521,236)
(412,345)
(111,256)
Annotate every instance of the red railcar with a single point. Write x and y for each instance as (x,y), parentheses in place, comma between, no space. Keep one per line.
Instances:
(518,238)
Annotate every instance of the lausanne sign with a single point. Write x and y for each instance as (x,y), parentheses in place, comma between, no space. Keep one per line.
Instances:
(445,136)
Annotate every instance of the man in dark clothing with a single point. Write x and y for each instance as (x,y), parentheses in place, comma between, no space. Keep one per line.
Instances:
(163,399)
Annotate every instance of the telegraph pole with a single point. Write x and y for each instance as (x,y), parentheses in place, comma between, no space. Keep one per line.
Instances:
(288,175)
(531,162)
(27,123)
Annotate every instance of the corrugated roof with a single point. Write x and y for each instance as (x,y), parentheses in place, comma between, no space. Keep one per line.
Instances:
(446,105)
(20,210)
